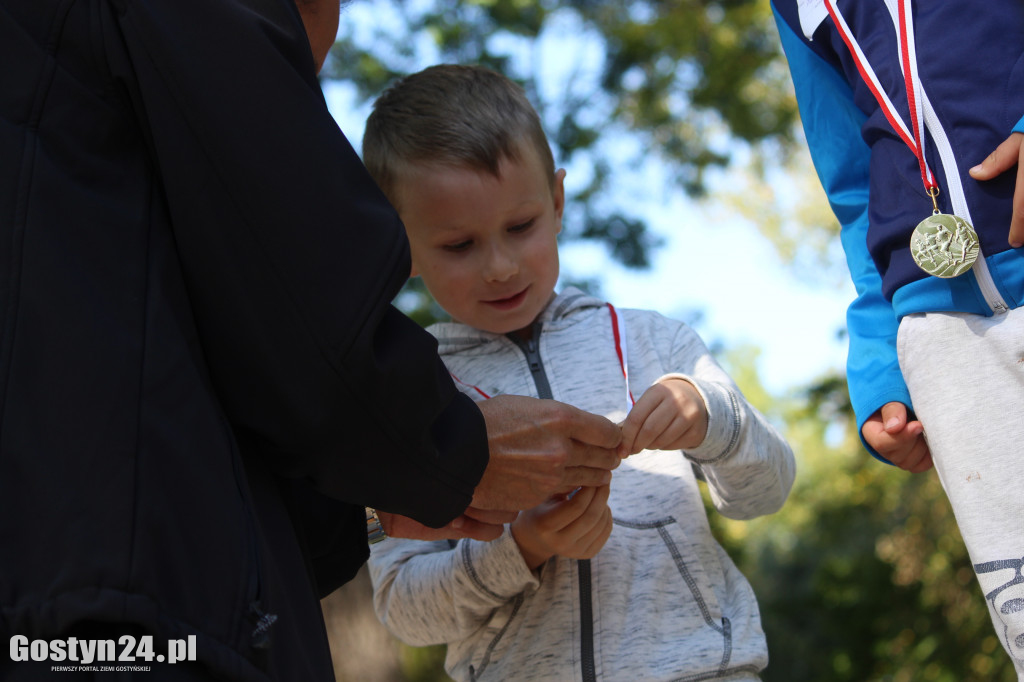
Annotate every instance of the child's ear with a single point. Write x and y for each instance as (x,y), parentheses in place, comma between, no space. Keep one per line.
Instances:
(558,195)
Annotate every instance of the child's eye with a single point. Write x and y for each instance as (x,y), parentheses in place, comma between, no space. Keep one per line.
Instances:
(523,227)
(458,246)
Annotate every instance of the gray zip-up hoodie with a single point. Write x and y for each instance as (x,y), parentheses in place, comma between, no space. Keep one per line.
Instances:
(662,600)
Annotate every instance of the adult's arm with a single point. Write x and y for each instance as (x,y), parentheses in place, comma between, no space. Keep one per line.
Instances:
(832,123)
(291,256)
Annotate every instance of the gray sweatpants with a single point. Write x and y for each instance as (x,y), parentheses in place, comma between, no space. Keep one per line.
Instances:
(966,378)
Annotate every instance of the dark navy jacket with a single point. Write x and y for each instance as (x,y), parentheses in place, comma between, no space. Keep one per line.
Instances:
(196,332)
(971,65)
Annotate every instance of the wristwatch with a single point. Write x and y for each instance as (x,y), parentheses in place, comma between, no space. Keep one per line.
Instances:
(374,530)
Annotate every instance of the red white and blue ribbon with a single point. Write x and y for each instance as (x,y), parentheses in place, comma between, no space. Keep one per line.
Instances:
(914,138)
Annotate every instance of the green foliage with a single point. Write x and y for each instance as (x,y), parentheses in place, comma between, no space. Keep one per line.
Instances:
(683,82)
(423,664)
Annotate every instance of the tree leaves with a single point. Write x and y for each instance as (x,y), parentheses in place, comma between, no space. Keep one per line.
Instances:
(676,82)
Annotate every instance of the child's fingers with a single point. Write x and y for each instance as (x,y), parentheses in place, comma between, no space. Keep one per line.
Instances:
(912,459)
(1008,154)
(593,541)
(680,433)
(905,448)
(1016,238)
(673,414)
(894,417)
(655,425)
(585,530)
(925,462)
(635,420)
(915,456)
(558,516)
(1002,158)
(589,511)
(888,445)
(885,429)
(652,413)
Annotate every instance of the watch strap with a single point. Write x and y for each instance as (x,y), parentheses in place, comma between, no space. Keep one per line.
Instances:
(374,530)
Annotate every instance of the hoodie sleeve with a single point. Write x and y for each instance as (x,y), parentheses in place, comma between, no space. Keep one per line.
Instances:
(291,256)
(433,593)
(747,464)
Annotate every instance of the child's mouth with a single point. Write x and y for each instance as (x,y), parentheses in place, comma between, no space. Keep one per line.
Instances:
(510,302)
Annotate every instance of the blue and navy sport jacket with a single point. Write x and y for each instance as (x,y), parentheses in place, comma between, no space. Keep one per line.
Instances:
(971,66)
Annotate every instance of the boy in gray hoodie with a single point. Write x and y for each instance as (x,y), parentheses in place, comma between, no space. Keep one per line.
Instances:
(618,582)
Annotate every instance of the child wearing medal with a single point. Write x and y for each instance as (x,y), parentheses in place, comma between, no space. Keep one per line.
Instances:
(619,582)
(902,103)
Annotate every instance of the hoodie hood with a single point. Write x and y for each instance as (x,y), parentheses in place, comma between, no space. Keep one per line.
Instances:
(561,312)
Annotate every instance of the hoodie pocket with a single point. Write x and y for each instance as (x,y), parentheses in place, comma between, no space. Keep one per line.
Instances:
(656,588)
(493,633)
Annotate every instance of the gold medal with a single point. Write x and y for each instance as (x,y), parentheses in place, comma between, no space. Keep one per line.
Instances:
(944,245)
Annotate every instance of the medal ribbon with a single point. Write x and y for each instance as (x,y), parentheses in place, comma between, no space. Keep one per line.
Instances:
(618,333)
(460,381)
(911,81)
(620,350)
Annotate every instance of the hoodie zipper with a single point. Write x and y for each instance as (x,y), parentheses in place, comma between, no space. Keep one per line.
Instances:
(531,349)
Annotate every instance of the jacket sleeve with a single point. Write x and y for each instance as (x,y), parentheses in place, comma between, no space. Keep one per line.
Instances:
(291,256)
(433,593)
(748,466)
(832,123)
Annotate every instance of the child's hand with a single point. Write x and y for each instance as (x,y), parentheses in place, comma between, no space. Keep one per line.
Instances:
(1007,155)
(899,441)
(670,415)
(575,527)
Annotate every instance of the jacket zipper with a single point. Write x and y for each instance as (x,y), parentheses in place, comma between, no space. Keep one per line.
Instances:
(586,622)
(955,188)
(531,349)
(959,202)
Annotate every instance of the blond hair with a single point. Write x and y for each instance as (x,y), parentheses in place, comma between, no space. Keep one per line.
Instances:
(460,116)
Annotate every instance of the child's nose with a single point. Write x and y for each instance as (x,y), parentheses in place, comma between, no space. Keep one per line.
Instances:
(501,265)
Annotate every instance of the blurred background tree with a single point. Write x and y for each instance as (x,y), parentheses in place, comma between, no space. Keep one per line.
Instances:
(862,576)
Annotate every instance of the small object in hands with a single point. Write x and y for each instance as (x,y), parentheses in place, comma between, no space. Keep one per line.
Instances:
(944,245)
(374,530)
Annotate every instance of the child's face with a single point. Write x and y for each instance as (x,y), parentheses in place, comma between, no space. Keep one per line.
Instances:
(485,246)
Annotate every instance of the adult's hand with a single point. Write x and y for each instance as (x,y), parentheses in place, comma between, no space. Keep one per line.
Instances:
(1007,155)
(540,448)
(398,526)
